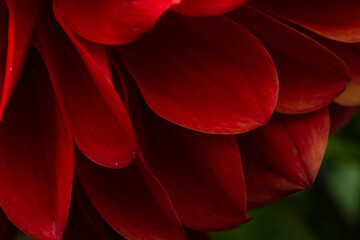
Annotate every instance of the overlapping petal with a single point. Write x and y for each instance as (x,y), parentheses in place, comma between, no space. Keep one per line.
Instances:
(207,74)
(207,7)
(310,75)
(37,162)
(20,17)
(94,112)
(335,19)
(112,21)
(202,174)
(131,200)
(283,156)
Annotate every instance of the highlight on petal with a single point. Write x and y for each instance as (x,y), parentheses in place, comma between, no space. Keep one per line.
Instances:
(37,162)
(207,7)
(310,75)
(284,156)
(206,74)
(201,172)
(112,21)
(335,19)
(131,200)
(98,120)
(20,17)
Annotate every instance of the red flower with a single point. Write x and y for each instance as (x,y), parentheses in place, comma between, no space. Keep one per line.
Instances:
(176,129)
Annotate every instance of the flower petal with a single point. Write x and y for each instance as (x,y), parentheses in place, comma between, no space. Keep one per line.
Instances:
(207,7)
(284,156)
(206,74)
(310,75)
(202,174)
(37,163)
(21,19)
(112,21)
(335,19)
(94,112)
(131,200)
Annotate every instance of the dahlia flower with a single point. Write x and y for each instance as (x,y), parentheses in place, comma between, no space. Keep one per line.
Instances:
(172,116)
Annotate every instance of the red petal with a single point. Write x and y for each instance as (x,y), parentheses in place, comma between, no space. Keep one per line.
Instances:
(36,164)
(335,19)
(350,54)
(112,21)
(94,112)
(202,174)
(283,156)
(207,7)
(340,116)
(22,15)
(131,200)
(206,74)
(310,75)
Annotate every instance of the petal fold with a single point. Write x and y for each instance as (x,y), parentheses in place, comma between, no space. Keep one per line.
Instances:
(97,118)
(37,162)
(284,156)
(310,75)
(335,19)
(206,74)
(112,22)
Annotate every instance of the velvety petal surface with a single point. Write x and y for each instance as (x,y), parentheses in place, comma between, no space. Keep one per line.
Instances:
(283,156)
(310,75)
(94,112)
(207,7)
(206,74)
(21,16)
(37,162)
(202,174)
(112,21)
(131,200)
(335,19)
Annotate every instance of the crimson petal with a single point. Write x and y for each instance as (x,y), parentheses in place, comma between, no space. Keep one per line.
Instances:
(37,163)
(22,15)
(310,75)
(207,7)
(112,21)
(202,174)
(94,112)
(284,156)
(131,200)
(335,19)
(206,74)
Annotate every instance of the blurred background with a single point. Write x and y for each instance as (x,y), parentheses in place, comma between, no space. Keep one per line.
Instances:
(330,211)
